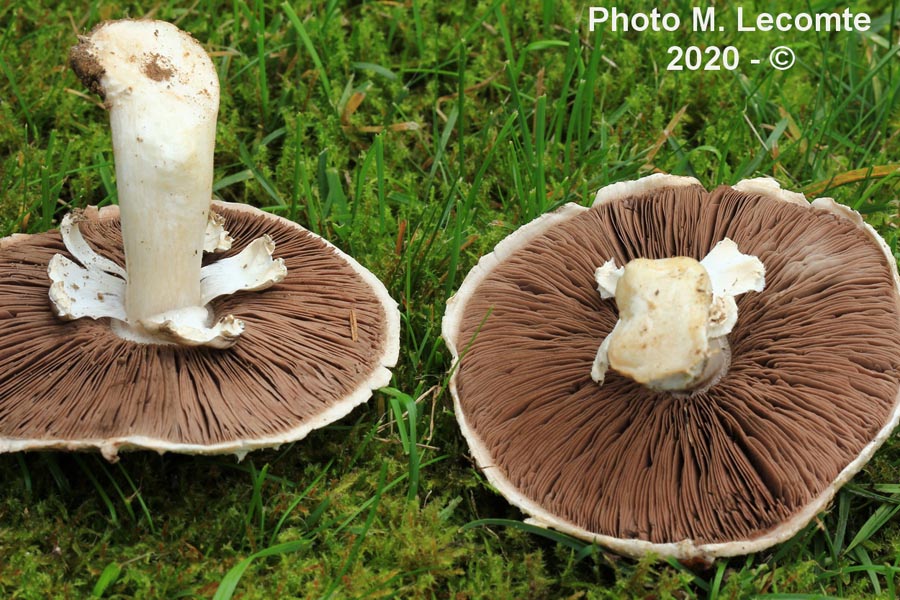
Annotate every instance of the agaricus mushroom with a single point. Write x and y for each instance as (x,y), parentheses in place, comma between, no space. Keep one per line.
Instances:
(135,339)
(679,372)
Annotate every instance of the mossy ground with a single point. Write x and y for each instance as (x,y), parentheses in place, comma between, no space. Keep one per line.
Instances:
(415,135)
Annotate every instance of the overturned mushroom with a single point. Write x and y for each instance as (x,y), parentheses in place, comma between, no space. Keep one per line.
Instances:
(730,409)
(150,344)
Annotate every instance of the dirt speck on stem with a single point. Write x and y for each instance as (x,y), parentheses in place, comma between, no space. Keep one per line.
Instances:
(86,66)
(158,68)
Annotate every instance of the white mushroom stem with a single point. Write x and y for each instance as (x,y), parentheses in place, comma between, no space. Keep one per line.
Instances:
(162,92)
(674,314)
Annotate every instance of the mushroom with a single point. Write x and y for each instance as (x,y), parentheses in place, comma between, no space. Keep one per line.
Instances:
(723,412)
(138,340)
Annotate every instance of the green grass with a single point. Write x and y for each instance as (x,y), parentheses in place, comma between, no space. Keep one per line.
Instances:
(415,136)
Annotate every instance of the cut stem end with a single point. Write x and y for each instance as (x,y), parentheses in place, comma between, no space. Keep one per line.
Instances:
(674,315)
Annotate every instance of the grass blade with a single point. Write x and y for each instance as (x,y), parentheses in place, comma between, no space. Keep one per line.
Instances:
(555,536)
(108,577)
(879,518)
(230,582)
(310,48)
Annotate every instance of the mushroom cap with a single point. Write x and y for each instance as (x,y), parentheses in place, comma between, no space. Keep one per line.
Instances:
(315,346)
(813,388)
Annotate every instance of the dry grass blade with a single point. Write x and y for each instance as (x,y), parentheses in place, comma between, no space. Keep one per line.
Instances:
(854,176)
(666,133)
